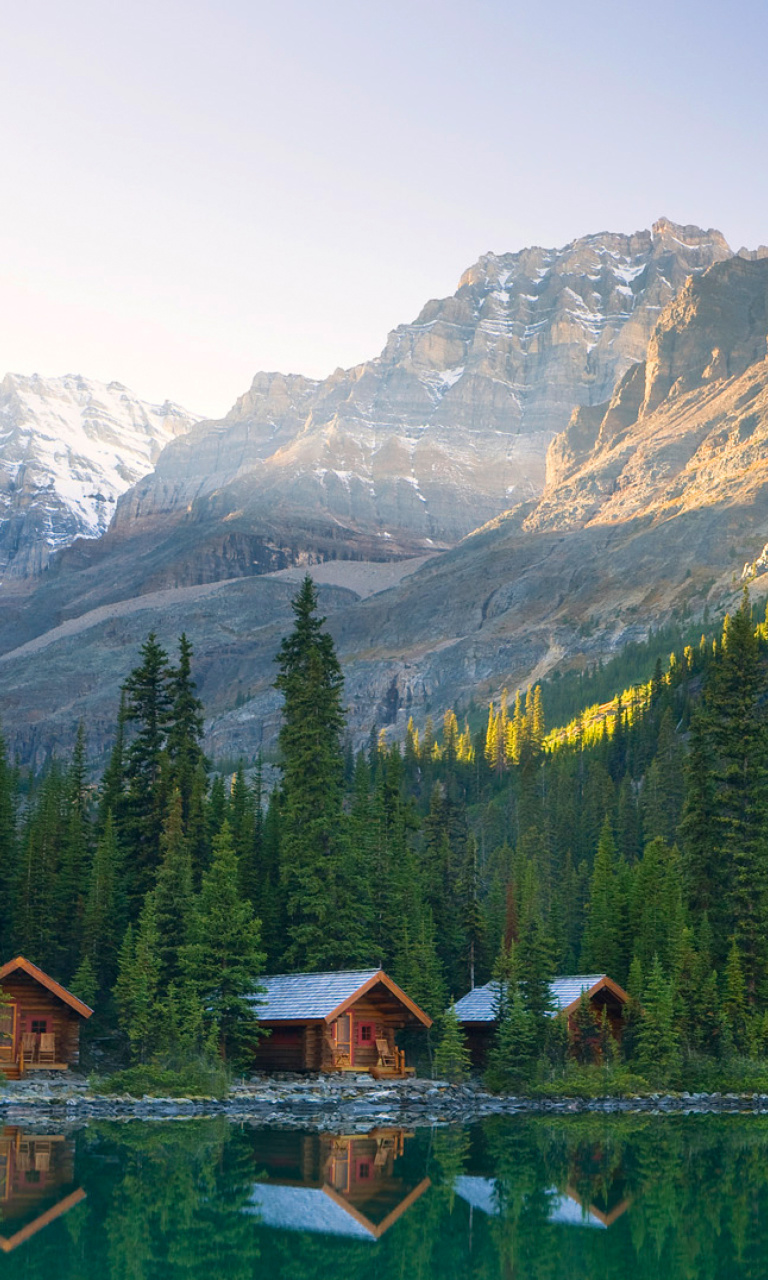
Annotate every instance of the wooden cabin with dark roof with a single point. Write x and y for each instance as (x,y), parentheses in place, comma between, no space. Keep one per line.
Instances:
(476,1011)
(39,1021)
(343,1021)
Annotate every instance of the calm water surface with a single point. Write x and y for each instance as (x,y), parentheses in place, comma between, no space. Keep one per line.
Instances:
(577,1197)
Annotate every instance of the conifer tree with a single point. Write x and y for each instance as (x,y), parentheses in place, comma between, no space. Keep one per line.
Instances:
(583,1032)
(223,958)
(185,728)
(321,918)
(148,707)
(658,1039)
(104,914)
(735,1003)
(173,894)
(452,1059)
(137,990)
(603,944)
(512,1060)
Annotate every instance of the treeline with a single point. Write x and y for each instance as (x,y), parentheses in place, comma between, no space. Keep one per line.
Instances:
(639,849)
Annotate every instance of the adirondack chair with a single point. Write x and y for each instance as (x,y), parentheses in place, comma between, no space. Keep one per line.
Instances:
(387,1057)
(47,1050)
(28,1046)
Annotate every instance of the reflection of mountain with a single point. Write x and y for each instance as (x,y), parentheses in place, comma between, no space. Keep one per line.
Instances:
(567,1208)
(334,1184)
(37,1183)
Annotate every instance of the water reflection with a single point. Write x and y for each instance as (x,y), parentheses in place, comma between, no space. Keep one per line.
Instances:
(336,1184)
(534,1198)
(37,1183)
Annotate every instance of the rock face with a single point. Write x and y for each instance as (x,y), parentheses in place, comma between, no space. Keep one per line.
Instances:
(450,425)
(686,427)
(68,448)
(655,499)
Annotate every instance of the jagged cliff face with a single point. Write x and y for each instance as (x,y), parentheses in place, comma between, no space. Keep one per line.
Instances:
(450,424)
(656,498)
(686,427)
(68,448)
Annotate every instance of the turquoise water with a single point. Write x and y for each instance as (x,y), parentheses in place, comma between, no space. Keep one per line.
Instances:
(581,1198)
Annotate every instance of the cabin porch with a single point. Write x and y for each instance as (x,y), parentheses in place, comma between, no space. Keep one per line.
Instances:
(39,1022)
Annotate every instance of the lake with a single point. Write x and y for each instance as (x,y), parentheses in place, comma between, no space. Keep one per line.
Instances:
(581,1197)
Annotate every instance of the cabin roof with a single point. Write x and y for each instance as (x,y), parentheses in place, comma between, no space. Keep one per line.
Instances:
(45,981)
(480,1005)
(296,997)
(305,1209)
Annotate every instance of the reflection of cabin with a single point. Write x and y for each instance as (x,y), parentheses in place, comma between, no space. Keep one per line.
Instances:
(333,1184)
(40,1026)
(334,1022)
(36,1183)
(563,1207)
(476,1011)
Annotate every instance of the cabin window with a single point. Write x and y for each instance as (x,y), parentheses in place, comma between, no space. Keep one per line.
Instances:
(363,1170)
(366,1033)
(39,1026)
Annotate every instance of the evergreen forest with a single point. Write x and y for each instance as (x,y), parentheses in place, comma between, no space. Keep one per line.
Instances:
(633,841)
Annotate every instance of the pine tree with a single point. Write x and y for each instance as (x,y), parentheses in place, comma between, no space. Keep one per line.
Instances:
(148,707)
(104,914)
(137,990)
(583,1032)
(173,894)
(512,1060)
(185,728)
(452,1060)
(604,940)
(312,763)
(658,1040)
(735,1003)
(223,958)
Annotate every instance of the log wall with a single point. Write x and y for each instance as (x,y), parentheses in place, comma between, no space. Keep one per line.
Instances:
(35,1002)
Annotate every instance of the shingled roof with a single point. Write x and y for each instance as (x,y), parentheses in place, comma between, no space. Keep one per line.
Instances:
(298,997)
(479,1005)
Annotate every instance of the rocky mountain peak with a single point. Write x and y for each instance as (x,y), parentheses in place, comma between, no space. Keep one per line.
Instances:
(449,425)
(688,420)
(69,447)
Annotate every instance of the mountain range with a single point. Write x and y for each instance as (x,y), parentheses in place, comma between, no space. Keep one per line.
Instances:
(565,453)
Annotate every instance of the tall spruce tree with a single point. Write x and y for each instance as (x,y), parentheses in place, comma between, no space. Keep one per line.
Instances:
(148,707)
(222,959)
(323,928)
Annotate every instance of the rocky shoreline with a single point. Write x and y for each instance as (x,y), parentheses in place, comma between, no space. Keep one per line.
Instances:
(348,1102)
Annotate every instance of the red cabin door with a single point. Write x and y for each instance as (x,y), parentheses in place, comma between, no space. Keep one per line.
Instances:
(344,1045)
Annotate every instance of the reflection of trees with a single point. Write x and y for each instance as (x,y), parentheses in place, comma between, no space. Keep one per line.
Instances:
(176,1207)
(166,1200)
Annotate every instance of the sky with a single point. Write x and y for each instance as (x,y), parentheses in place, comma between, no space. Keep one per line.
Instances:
(191,192)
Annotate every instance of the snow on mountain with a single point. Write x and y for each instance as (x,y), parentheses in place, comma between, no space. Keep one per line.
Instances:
(450,424)
(68,448)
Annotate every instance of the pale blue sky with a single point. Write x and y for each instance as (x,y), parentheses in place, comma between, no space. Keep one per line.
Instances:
(194,191)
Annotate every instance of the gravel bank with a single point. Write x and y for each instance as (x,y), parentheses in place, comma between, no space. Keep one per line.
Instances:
(329,1102)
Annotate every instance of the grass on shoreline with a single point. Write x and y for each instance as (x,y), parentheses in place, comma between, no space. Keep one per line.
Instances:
(196,1079)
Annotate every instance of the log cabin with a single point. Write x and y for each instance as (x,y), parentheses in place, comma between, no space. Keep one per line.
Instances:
(344,1185)
(39,1021)
(476,1011)
(343,1021)
(37,1183)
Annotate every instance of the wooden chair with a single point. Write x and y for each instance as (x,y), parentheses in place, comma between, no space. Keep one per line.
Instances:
(47,1051)
(29,1046)
(387,1056)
